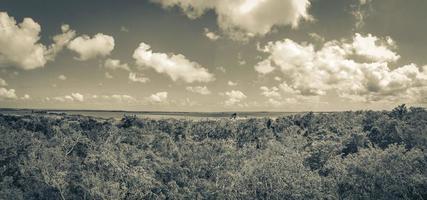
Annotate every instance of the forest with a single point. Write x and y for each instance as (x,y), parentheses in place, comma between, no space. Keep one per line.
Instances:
(342,155)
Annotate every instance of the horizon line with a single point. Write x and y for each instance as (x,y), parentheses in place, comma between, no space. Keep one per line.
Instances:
(147,111)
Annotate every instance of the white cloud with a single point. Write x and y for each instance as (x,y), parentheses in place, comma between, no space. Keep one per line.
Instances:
(246,18)
(7,94)
(63,99)
(77,97)
(159,97)
(264,67)
(119,98)
(137,78)
(108,75)
(73,97)
(123,97)
(373,48)
(25,97)
(270,92)
(203,90)
(99,45)
(334,67)
(234,97)
(60,41)
(211,35)
(20,47)
(231,83)
(62,77)
(3,82)
(361,11)
(175,66)
(317,37)
(115,64)
(19,43)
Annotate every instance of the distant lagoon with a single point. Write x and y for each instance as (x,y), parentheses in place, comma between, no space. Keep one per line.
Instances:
(148,114)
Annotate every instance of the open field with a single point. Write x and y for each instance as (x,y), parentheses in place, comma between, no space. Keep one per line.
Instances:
(347,155)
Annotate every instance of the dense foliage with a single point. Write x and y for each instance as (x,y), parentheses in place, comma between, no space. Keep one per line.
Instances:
(347,155)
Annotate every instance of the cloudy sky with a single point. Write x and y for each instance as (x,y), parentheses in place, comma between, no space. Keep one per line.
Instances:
(213,55)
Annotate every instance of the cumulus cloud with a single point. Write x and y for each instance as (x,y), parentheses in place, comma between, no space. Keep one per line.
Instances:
(7,94)
(26,97)
(60,41)
(270,92)
(264,67)
(203,90)
(115,64)
(77,97)
(211,35)
(63,98)
(20,47)
(361,10)
(87,48)
(3,82)
(159,97)
(374,48)
(175,66)
(73,97)
(122,98)
(19,43)
(119,98)
(246,18)
(138,78)
(62,77)
(231,83)
(234,97)
(358,70)
(316,37)
(275,98)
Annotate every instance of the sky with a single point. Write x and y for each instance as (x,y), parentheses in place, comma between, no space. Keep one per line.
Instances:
(213,55)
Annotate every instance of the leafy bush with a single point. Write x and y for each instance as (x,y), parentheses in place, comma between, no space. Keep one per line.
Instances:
(346,155)
(392,173)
